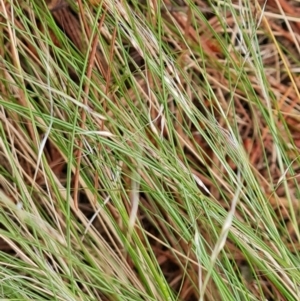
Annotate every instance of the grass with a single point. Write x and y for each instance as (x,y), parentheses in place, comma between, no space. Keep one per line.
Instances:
(170,175)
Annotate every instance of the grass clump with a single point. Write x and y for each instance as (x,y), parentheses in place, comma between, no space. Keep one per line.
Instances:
(149,150)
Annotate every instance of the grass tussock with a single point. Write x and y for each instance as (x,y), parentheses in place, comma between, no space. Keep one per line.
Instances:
(150,151)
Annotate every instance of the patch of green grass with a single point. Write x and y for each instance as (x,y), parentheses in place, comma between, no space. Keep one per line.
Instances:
(170,176)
